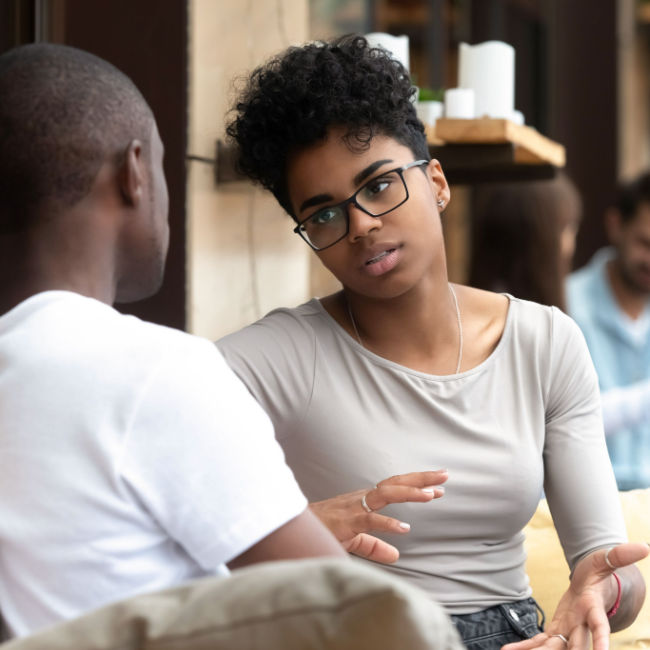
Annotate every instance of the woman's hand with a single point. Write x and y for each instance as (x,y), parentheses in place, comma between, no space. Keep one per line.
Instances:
(350,522)
(592,592)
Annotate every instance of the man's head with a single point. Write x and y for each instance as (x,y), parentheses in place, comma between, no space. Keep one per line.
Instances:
(295,99)
(628,227)
(69,119)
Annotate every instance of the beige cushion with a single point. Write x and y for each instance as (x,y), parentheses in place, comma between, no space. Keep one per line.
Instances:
(549,574)
(337,604)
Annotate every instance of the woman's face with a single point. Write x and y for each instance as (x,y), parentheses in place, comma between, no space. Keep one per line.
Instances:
(382,256)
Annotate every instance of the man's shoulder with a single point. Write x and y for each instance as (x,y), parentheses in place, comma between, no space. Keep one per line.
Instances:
(592,275)
(580,285)
(586,288)
(129,336)
(70,329)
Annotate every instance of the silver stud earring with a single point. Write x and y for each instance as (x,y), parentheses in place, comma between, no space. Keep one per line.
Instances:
(440,203)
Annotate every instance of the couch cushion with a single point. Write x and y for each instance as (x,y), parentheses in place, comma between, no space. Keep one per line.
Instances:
(299,605)
(549,573)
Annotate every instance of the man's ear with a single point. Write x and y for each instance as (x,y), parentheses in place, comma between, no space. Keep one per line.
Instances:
(131,174)
(613,225)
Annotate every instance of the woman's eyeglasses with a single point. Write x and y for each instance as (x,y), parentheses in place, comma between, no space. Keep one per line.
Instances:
(377,197)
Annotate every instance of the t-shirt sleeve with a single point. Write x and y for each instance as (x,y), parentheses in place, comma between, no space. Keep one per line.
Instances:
(201,456)
(275,358)
(579,480)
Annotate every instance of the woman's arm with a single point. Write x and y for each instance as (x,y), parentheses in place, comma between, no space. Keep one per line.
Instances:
(584,501)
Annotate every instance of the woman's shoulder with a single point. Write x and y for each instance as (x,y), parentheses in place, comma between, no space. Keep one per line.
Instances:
(281,329)
(492,316)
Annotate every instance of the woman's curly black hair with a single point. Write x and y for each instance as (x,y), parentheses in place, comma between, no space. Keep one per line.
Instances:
(291,101)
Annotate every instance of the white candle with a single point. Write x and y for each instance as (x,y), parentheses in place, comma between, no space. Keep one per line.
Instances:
(459,103)
(489,70)
(396,46)
(429,112)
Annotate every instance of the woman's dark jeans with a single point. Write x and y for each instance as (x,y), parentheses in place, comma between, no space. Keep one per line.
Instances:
(492,628)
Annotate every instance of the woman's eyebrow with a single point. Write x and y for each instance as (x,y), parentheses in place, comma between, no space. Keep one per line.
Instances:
(357,180)
(315,200)
(364,173)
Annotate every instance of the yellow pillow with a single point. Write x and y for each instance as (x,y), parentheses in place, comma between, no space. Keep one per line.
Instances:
(549,574)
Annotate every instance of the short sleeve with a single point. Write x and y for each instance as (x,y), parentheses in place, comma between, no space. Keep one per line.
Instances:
(201,456)
(579,480)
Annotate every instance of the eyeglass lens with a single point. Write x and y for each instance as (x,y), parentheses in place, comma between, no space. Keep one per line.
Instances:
(380,195)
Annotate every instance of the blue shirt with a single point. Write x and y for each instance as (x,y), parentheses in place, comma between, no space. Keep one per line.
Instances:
(620,349)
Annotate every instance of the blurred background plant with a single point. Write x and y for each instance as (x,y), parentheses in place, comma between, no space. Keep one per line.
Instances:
(431,94)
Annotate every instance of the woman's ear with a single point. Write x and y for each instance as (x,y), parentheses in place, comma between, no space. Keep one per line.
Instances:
(440,185)
(131,174)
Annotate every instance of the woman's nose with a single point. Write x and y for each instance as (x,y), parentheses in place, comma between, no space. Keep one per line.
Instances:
(361,223)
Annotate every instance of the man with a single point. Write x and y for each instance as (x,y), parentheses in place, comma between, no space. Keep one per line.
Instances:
(132,458)
(610,300)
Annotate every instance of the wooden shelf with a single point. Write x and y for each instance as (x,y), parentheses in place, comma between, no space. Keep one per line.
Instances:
(530,146)
(490,150)
(470,151)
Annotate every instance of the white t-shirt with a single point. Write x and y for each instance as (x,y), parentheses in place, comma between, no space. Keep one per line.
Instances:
(132,459)
(526,418)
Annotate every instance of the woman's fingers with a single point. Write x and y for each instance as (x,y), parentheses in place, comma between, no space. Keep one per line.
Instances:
(417,479)
(355,513)
(383,495)
(415,487)
(382,523)
(622,555)
(534,642)
(579,638)
(371,548)
(599,628)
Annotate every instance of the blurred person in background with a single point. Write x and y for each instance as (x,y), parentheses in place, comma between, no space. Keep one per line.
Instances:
(609,299)
(523,238)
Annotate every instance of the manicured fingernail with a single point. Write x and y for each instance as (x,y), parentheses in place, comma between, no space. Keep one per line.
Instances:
(404,526)
(440,488)
(428,490)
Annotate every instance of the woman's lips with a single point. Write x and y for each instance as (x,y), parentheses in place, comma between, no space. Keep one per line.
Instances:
(382,262)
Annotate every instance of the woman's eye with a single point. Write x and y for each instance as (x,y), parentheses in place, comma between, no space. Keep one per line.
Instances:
(376,187)
(324,217)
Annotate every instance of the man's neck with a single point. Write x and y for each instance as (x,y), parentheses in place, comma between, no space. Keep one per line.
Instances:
(631,302)
(26,272)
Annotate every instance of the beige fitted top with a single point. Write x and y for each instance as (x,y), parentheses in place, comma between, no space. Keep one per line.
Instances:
(527,419)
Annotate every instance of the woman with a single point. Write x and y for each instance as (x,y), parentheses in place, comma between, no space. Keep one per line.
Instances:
(401,373)
(523,238)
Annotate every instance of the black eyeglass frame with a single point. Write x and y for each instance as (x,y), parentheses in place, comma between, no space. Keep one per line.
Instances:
(299,230)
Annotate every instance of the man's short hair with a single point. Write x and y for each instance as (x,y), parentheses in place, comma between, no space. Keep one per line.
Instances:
(63,113)
(630,196)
